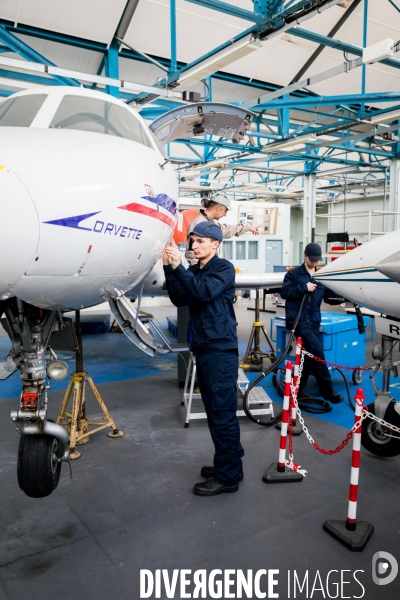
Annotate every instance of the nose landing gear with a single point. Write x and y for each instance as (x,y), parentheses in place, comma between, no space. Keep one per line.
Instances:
(43,444)
(380,439)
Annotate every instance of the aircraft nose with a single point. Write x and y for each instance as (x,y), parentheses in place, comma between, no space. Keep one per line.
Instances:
(390,267)
(19,229)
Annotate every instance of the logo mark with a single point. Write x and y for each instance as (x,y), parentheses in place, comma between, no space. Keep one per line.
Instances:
(73,222)
(149,190)
(384,568)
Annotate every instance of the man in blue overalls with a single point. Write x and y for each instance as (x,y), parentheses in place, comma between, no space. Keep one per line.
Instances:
(298,282)
(208,288)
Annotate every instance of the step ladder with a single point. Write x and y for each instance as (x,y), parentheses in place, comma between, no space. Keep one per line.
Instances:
(257,396)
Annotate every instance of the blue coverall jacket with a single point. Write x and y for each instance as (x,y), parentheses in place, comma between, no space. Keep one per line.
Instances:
(209,293)
(293,289)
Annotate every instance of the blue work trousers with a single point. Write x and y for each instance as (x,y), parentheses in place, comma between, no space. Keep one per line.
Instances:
(217,374)
(309,333)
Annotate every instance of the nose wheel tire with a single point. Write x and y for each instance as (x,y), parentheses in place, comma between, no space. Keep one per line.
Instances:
(374,437)
(38,469)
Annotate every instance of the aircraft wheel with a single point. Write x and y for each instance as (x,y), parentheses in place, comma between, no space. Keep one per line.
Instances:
(38,469)
(357,377)
(375,440)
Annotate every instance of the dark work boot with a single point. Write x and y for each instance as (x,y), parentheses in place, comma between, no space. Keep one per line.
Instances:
(208,472)
(211,487)
(333,397)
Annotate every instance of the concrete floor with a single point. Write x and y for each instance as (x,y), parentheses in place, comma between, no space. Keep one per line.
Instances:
(130,504)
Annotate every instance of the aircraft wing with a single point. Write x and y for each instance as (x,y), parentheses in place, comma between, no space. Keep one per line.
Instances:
(262,281)
(154,285)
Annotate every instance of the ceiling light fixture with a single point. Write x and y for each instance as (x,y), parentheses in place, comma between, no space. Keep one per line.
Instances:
(385,117)
(338,171)
(187,185)
(220,60)
(289,143)
(209,165)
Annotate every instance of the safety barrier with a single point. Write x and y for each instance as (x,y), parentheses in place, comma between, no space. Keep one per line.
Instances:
(354,535)
(350,533)
(277,472)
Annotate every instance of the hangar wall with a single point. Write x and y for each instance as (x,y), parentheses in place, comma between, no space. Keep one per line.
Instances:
(356,226)
(271,248)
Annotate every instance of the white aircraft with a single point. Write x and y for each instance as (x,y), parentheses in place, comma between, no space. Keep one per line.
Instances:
(88,203)
(368,275)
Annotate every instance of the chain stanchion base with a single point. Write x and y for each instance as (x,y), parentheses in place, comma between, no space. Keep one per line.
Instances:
(353,540)
(272,475)
(296,429)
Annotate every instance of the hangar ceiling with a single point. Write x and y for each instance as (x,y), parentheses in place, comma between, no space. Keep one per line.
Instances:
(342,119)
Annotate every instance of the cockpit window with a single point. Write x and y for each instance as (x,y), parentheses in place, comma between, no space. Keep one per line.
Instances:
(20,111)
(99,116)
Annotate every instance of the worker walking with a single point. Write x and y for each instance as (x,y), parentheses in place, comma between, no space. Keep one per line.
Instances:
(208,288)
(296,283)
(215,208)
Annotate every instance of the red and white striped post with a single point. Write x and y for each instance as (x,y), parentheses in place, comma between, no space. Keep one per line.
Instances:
(350,533)
(285,418)
(351,523)
(277,472)
(297,360)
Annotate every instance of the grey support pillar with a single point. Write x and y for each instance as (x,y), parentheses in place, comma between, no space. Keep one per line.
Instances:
(394,195)
(309,209)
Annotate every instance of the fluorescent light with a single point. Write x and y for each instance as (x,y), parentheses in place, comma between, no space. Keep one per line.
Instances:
(337,171)
(220,60)
(292,142)
(209,165)
(187,185)
(383,118)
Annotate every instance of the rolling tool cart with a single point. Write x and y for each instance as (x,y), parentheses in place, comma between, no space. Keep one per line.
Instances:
(342,342)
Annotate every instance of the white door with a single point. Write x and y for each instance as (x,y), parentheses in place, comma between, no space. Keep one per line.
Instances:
(273,255)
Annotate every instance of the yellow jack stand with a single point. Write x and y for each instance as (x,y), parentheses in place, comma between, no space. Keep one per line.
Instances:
(76,422)
(257,354)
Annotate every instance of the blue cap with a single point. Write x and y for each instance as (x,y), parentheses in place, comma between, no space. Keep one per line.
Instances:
(313,251)
(208,229)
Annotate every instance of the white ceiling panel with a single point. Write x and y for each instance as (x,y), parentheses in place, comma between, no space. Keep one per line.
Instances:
(283,61)
(65,57)
(199,29)
(380,12)
(325,21)
(139,72)
(377,31)
(93,19)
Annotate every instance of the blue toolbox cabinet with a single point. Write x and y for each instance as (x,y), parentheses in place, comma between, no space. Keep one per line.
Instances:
(342,343)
